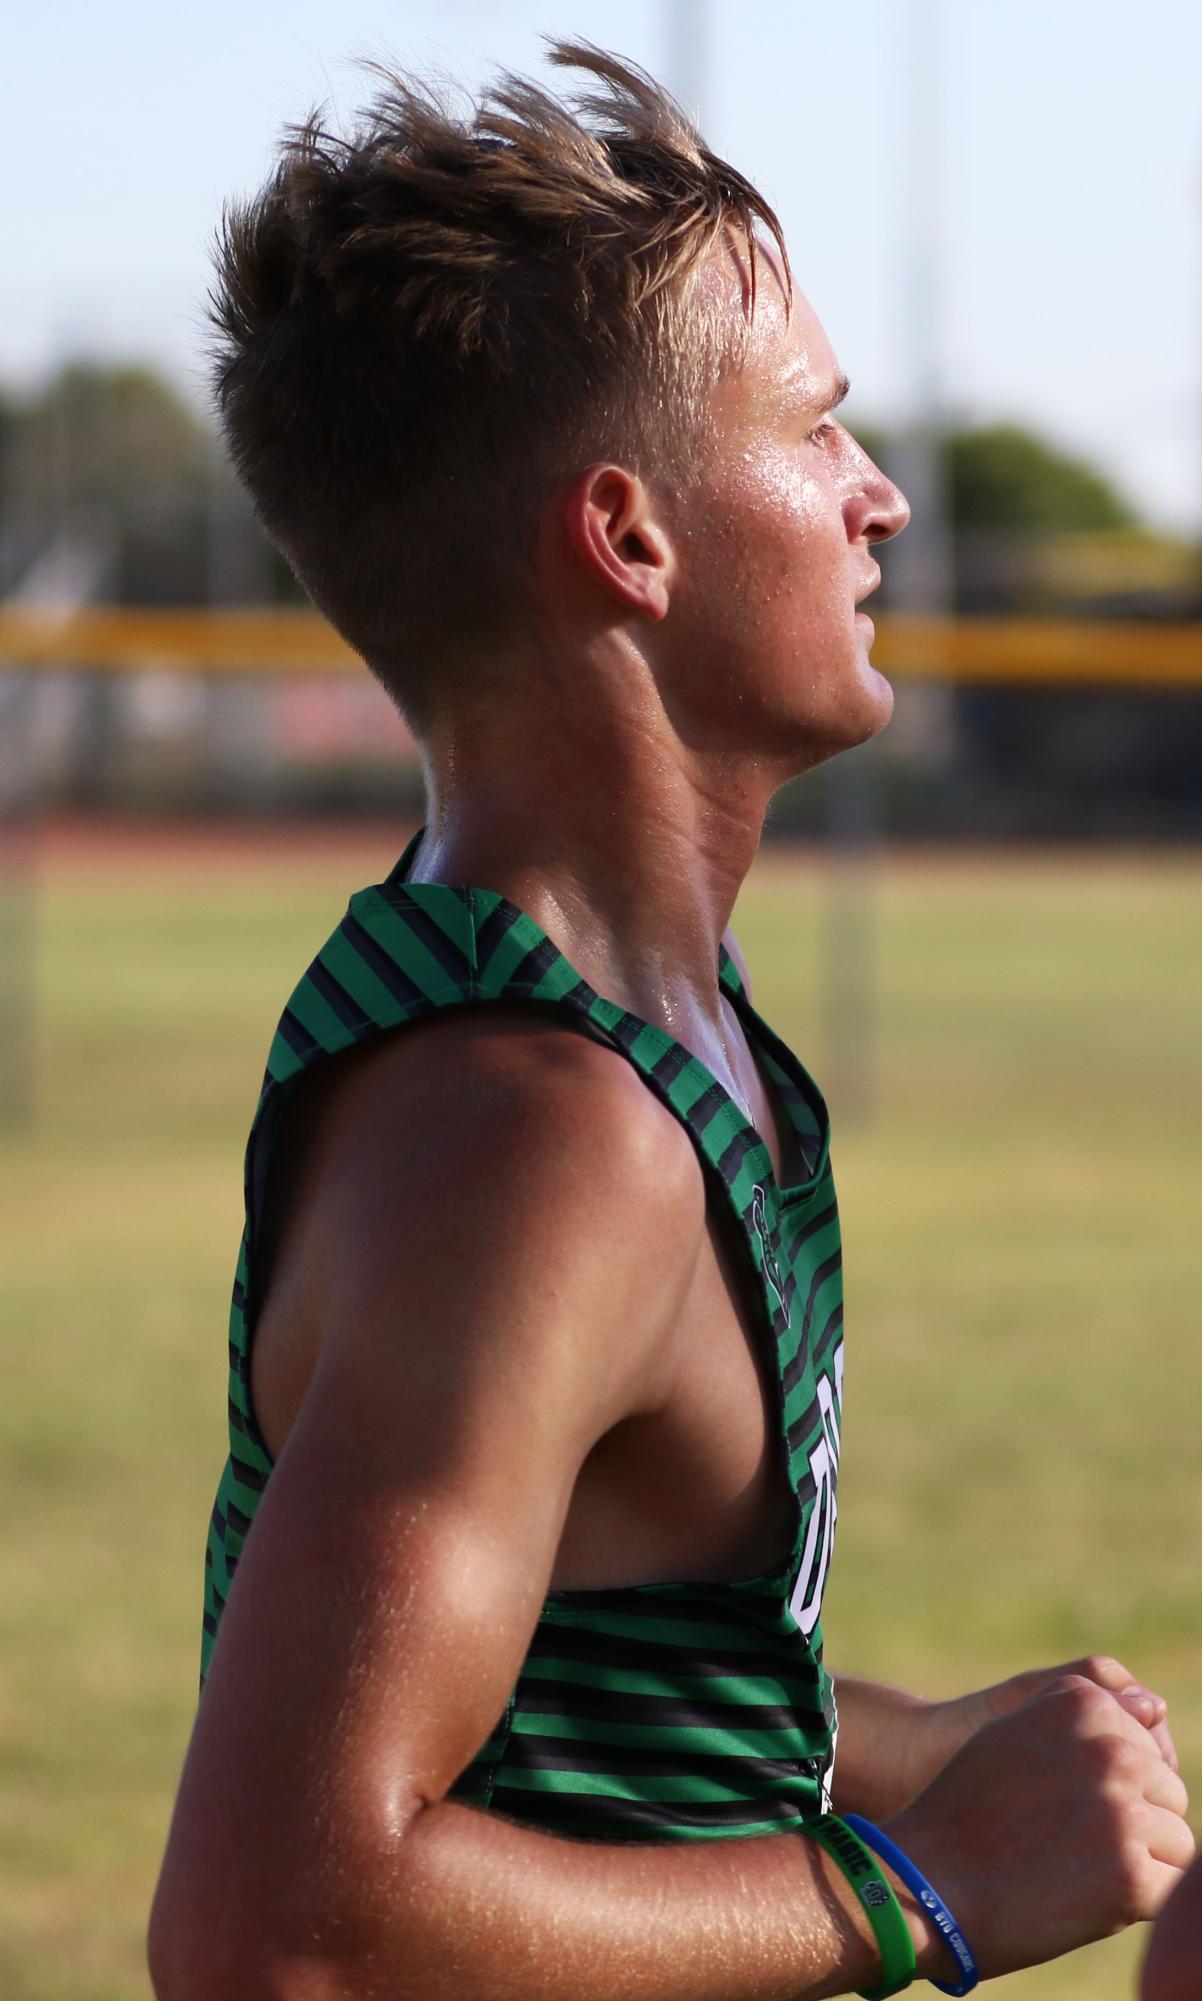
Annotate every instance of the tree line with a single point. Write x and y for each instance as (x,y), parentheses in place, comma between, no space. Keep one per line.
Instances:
(121,450)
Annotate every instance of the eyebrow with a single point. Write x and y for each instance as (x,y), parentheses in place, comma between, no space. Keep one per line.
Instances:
(824,399)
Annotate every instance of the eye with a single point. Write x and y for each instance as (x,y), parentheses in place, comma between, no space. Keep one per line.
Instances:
(819,431)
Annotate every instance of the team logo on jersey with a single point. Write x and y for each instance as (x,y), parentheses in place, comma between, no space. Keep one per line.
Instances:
(771,1268)
(806,1601)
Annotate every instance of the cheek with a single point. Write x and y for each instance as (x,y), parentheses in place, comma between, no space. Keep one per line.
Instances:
(775,493)
(786,526)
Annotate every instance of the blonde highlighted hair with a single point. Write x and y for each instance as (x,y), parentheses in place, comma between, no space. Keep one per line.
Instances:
(421,329)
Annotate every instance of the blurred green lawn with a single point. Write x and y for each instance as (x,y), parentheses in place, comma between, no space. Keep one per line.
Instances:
(1021,1479)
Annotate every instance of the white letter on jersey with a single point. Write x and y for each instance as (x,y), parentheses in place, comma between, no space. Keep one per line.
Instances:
(806,1602)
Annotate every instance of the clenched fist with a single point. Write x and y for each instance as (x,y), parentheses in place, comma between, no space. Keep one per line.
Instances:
(1060,1822)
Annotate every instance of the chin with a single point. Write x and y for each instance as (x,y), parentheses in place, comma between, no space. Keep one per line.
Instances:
(881,704)
(863,711)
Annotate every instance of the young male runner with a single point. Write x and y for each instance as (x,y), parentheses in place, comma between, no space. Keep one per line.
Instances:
(513,1652)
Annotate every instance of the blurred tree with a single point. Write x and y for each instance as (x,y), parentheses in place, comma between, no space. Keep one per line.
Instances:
(92,434)
(87,457)
(1002,476)
(116,458)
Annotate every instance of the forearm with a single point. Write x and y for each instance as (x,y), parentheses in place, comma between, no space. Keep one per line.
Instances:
(875,1768)
(475,1908)
(749,1920)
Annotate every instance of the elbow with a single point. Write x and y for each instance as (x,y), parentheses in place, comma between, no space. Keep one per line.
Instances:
(187,1960)
(186,1967)
(218,1955)
(206,1944)
(249,1912)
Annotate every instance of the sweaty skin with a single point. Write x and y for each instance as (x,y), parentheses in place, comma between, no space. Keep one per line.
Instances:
(1172,1968)
(695,651)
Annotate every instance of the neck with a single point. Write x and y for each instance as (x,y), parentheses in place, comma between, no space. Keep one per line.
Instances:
(585,808)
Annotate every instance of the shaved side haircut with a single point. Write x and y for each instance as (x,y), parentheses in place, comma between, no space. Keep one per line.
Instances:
(423,330)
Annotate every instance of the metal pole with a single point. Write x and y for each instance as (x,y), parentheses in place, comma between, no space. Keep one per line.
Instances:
(238,708)
(17,802)
(920,580)
(688,25)
(920,561)
(17,785)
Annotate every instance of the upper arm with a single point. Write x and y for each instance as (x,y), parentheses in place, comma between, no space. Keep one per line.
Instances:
(497,1245)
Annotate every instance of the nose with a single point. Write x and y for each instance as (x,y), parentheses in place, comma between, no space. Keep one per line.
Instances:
(877,509)
(889,510)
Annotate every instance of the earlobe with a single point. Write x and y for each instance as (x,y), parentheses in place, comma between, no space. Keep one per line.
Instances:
(614,534)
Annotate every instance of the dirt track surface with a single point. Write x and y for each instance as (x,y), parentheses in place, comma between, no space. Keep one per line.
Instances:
(116,843)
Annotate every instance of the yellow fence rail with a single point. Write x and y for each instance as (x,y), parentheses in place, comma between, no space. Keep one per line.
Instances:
(118,639)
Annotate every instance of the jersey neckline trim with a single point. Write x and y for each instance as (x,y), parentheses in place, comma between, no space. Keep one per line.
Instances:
(784,1196)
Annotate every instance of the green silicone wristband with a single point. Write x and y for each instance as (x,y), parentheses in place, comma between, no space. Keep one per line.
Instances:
(899,1963)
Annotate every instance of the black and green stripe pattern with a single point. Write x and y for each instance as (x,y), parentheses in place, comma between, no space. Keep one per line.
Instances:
(675,1711)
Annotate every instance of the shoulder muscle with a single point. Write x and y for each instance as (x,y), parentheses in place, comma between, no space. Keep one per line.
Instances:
(469,1168)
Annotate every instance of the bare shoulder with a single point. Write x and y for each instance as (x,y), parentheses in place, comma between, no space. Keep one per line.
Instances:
(484,1164)
(478,1089)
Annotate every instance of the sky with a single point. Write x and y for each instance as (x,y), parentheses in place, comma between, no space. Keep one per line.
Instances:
(993,204)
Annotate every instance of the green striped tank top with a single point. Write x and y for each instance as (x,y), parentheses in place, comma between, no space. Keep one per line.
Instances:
(682,1710)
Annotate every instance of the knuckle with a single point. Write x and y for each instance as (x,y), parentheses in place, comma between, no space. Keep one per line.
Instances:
(1101,1668)
(1069,1689)
(1082,1698)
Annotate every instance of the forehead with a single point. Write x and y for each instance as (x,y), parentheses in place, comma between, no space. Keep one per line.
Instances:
(787,356)
(790,352)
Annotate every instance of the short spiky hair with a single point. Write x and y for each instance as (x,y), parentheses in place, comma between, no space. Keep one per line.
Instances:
(423,327)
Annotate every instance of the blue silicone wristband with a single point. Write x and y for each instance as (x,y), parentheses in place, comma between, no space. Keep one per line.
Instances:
(932,1903)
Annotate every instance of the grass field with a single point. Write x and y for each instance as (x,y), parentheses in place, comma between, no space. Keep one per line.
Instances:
(1021,1479)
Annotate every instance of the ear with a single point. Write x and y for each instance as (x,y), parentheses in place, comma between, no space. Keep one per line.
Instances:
(615,533)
